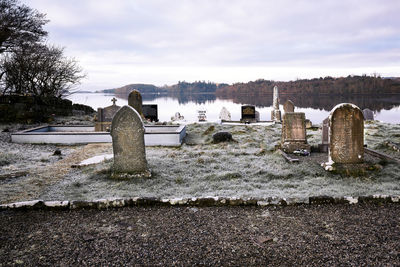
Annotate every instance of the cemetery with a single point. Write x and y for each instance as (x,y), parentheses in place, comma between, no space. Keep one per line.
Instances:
(210,161)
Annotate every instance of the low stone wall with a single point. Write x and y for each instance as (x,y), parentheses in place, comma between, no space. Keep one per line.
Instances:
(207,201)
(30,109)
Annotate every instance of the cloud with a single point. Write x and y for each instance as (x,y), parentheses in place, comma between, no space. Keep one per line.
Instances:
(114,38)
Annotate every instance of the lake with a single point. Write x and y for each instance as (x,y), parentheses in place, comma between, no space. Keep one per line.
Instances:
(385,108)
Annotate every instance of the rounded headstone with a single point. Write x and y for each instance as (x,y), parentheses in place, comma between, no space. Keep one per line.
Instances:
(135,101)
(127,133)
(225,115)
(346,134)
(288,106)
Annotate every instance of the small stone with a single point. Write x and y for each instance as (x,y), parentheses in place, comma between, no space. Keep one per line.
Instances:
(222,137)
(57,152)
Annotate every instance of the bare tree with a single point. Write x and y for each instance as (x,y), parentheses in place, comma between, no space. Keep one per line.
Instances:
(40,70)
(19,25)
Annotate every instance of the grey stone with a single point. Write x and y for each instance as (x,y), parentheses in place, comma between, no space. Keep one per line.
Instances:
(222,137)
(346,134)
(288,106)
(127,133)
(135,101)
(105,116)
(368,114)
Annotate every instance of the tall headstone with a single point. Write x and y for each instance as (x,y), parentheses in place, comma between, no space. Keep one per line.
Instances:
(368,114)
(346,134)
(248,114)
(127,133)
(276,113)
(225,115)
(323,147)
(294,132)
(288,106)
(135,101)
(105,116)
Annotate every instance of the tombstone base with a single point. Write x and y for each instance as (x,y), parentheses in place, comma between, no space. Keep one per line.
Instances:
(124,175)
(102,126)
(350,169)
(276,115)
(293,146)
(323,148)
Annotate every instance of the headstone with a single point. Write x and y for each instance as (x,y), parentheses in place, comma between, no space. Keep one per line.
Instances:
(346,134)
(288,106)
(257,116)
(177,117)
(150,112)
(105,116)
(308,124)
(127,133)
(276,113)
(135,101)
(225,115)
(368,114)
(294,132)
(248,114)
(323,147)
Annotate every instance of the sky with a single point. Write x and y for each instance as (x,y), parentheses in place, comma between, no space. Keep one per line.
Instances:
(224,41)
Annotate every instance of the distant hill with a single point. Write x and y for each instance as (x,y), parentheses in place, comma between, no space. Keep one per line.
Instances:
(351,85)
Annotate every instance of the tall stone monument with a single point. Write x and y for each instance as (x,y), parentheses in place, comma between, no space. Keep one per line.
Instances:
(127,133)
(288,106)
(276,113)
(323,147)
(294,132)
(135,101)
(346,135)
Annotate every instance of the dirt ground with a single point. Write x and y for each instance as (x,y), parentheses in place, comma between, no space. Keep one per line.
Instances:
(305,235)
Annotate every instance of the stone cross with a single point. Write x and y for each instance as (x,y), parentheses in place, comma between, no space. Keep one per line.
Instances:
(288,106)
(275,113)
(346,134)
(135,101)
(127,133)
(114,100)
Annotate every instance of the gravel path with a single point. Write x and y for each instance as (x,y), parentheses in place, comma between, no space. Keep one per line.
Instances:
(306,235)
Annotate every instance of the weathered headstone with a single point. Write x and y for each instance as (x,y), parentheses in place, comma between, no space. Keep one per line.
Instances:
(127,133)
(225,115)
(105,116)
(248,114)
(323,147)
(288,106)
(276,113)
(135,101)
(368,114)
(294,132)
(257,116)
(150,112)
(346,135)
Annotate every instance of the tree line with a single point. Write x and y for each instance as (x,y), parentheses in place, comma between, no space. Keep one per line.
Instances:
(351,85)
(28,65)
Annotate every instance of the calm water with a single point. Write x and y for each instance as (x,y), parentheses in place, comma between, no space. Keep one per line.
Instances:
(386,109)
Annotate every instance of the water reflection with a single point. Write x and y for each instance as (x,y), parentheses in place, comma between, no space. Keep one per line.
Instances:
(374,102)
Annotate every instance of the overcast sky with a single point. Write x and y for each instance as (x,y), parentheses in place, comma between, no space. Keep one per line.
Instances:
(163,42)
